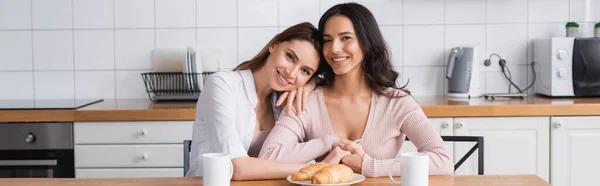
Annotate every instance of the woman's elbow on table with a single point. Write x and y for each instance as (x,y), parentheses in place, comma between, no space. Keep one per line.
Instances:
(239,169)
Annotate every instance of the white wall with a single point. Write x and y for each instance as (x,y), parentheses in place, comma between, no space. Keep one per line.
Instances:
(98,48)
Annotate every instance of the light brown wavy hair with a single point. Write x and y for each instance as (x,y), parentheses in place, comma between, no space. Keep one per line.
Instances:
(304,31)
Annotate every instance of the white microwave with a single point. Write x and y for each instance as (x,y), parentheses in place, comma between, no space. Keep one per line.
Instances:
(567,66)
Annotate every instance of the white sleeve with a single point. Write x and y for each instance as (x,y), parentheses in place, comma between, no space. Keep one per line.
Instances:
(216,105)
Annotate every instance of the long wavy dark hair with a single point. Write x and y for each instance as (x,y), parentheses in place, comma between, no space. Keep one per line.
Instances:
(376,64)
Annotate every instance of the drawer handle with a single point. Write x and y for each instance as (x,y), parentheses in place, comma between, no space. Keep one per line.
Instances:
(446,124)
(145,157)
(144,132)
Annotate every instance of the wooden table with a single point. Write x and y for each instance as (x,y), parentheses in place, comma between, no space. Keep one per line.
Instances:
(487,180)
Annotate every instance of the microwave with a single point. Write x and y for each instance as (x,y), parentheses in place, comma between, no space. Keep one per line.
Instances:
(567,66)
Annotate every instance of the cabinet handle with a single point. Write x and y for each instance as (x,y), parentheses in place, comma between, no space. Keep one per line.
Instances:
(446,124)
(558,124)
(460,124)
(145,157)
(144,132)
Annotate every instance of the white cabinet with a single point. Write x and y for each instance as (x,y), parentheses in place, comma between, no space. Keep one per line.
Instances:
(129,173)
(575,149)
(512,145)
(130,149)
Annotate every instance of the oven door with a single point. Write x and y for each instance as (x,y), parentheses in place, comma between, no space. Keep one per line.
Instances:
(586,67)
(37,164)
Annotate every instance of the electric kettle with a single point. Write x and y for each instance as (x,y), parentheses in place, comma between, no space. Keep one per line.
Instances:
(462,72)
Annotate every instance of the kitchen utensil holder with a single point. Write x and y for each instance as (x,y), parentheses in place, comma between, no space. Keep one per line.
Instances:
(174,86)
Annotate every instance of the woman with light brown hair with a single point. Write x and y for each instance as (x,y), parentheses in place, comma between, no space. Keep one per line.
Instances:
(236,110)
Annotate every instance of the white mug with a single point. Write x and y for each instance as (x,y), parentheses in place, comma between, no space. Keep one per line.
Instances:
(414,167)
(218,169)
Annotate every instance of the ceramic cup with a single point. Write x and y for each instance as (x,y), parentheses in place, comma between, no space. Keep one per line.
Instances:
(414,167)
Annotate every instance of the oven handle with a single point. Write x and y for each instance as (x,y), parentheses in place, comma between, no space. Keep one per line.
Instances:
(28,163)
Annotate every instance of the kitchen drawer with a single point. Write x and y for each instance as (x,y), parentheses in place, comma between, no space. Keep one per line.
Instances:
(132,132)
(129,173)
(113,156)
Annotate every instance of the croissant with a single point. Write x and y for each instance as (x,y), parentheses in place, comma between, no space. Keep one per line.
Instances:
(306,173)
(333,174)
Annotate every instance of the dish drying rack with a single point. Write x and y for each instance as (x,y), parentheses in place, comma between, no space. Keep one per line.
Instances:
(174,86)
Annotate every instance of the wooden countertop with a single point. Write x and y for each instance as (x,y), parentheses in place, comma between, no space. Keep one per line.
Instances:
(476,180)
(433,106)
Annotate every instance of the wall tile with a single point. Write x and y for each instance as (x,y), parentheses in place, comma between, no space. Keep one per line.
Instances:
(506,11)
(93,13)
(175,38)
(252,40)
(15,14)
(585,10)
(424,46)
(292,12)
(219,46)
(94,49)
(54,85)
(16,50)
(386,12)
(16,85)
(56,14)
(326,4)
(509,41)
(95,85)
(497,83)
(257,13)
(175,13)
(224,10)
(134,13)
(133,48)
(544,11)
(130,85)
(393,37)
(53,50)
(465,11)
(423,12)
(425,81)
(465,36)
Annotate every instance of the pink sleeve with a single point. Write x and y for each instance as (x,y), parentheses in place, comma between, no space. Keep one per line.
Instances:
(286,141)
(417,128)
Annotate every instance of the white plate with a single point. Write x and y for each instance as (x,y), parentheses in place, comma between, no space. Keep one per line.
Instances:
(357,178)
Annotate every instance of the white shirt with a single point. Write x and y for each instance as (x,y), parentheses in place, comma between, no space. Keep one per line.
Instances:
(225,118)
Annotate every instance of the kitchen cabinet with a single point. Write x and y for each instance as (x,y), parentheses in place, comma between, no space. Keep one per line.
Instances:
(130,149)
(575,150)
(513,145)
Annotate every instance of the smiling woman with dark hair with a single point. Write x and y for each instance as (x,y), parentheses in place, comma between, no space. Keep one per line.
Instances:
(357,101)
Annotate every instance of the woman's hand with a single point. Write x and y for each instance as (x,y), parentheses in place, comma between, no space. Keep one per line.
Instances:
(299,95)
(354,160)
(335,156)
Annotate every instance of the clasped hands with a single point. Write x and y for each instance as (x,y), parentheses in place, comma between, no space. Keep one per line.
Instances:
(348,153)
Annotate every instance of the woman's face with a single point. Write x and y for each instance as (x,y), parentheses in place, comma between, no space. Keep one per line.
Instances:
(341,47)
(291,64)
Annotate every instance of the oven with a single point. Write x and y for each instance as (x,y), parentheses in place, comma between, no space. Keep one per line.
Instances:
(36,150)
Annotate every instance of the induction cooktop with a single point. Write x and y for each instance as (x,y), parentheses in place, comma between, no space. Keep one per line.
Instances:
(46,104)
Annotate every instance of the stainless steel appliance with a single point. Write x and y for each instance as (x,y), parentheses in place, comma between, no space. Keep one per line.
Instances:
(567,66)
(36,150)
(463,73)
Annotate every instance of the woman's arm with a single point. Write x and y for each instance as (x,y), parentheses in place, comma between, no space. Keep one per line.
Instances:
(249,168)
(218,123)
(286,141)
(422,135)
